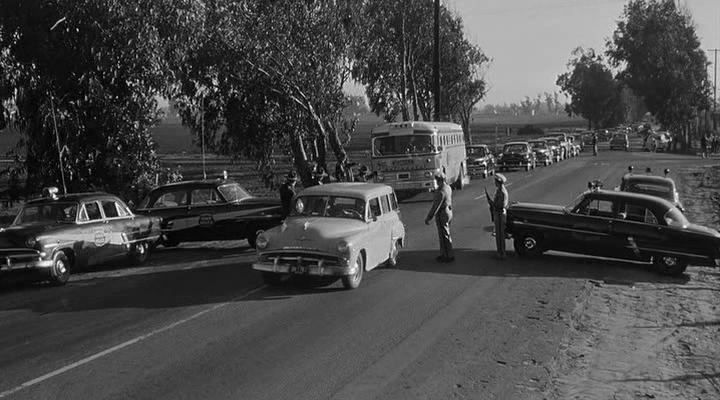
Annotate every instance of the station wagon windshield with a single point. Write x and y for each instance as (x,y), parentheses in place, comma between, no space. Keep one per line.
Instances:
(476,151)
(405,144)
(330,206)
(233,192)
(47,213)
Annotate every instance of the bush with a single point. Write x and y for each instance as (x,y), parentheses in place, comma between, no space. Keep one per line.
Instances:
(530,130)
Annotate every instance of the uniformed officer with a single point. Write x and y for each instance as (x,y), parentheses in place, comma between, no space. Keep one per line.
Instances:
(287,192)
(500,205)
(595,143)
(441,210)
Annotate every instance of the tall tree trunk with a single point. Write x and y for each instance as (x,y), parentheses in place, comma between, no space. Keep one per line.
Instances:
(404,61)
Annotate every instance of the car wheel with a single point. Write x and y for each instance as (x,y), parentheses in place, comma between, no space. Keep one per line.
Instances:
(139,253)
(60,270)
(394,254)
(353,281)
(273,279)
(669,265)
(527,245)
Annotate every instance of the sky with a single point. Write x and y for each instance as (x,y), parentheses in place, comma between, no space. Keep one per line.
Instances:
(530,41)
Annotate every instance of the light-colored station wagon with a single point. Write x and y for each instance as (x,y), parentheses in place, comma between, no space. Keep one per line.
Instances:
(338,230)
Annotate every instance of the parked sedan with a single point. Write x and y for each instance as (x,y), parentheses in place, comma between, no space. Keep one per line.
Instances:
(194,211)
(516,155)
(480,160)
(615,224)
(543,153)
(56,234)
(554,145)
(620,141)
(339,230)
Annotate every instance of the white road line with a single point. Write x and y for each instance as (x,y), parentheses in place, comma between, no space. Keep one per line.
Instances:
(123,345)
(482,197)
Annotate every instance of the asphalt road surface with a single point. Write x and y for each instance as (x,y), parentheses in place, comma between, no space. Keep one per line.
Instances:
(197,322)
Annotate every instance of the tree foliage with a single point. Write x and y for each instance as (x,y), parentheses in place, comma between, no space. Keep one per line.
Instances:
(394,61)
(89,70)
(594,93)
(657,48)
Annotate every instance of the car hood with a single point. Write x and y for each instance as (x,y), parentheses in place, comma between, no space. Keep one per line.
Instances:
(16,235)
(314,233)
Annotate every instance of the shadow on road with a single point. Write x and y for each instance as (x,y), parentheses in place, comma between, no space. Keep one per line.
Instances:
(484,263)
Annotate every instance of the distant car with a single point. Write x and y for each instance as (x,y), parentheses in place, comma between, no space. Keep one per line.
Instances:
(615,224)
(579,141)
(543,153)
(554,145)
(576,148)
(620,141)
(516,155)
(339,230)
(587,141)
(480,160)
(652,185)
(657,141)
(564,145)
(57,234)
(193,211)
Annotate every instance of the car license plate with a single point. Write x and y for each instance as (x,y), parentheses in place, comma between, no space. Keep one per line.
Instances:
(300,269)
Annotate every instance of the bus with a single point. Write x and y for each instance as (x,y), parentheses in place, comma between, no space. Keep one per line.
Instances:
(407,155)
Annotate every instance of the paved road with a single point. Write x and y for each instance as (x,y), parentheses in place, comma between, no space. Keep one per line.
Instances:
(198,323)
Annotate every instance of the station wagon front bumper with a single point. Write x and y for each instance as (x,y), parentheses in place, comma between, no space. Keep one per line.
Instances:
(303,265)
(22,259)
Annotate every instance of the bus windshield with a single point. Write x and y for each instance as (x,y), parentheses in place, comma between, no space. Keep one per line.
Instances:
(401,145)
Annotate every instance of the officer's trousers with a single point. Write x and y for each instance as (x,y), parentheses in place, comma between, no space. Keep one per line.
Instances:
(442,220)
(500,219)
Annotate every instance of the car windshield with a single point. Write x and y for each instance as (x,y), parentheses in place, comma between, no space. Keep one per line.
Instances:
(538,145)
(552,142)
(514,148)
(663,191)
(330,206)
(675,218)
(47,213)
(405,144)
(477,151)
(233,192)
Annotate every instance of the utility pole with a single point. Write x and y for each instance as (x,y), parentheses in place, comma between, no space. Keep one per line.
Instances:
(436,61)
(714,114)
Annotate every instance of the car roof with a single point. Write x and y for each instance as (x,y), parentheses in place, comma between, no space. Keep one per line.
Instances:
(637,197)
(476,145)
(351,189)
(515,142)
(548,138)
(195,183)
(537,140)
(74,198)
(649,179)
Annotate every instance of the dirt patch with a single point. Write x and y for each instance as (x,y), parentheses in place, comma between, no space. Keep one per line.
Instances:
(649,340)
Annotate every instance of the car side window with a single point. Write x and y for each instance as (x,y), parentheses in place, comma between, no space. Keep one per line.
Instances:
(109,209)
(596,208)
(639,213)
(122,210)
(375,208)
(385,203)
(93,211)
(203,196)
(171,199)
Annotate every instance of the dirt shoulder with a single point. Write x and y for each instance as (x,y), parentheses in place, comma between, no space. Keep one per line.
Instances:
(650,340)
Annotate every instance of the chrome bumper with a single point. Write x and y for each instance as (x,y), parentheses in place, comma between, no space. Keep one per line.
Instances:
(316,270)
(23,261)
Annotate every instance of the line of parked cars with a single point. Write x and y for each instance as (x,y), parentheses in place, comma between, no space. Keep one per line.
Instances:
(526,155)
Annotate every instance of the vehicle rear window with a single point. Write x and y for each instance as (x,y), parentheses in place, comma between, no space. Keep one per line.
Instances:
(171,199)
(514,148)
(233,192)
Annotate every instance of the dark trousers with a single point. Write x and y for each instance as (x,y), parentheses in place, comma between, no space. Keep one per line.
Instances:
(500,219)
(442,221)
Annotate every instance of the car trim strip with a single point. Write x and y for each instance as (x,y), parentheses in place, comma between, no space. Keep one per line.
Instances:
(560,228)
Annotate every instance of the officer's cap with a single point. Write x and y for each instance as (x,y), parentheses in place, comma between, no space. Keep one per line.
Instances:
(500,178)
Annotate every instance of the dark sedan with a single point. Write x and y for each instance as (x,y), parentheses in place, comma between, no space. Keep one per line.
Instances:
(652,185)
(618,225)
(194,211)
(620,141)
(516,155)
(480,160)
(55,235)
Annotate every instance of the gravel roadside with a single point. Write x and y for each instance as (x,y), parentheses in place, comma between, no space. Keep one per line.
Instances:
(649,340)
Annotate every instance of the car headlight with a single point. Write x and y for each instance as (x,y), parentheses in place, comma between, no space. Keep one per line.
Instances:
(31,242)
(428,174)
(262,241)
(344,247)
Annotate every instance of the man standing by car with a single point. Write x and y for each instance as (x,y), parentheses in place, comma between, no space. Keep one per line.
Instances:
(287,192)
(441,210)
(595,143)
(500,205)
